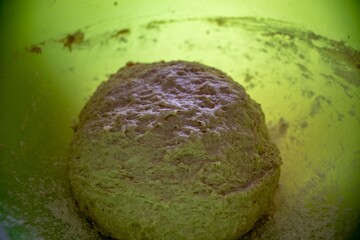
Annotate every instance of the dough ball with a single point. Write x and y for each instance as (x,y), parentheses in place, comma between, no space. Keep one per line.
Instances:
(173,151)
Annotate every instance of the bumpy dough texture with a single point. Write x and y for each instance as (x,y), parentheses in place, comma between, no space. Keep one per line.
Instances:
(173,151)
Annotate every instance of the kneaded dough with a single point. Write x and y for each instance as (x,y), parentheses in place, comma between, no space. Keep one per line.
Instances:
(172,151)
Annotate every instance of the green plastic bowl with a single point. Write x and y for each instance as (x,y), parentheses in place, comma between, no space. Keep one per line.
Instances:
(299,59)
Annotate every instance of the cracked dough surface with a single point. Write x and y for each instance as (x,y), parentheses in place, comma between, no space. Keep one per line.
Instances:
(172,150)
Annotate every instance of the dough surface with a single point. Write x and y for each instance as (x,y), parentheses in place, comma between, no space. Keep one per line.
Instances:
(172,151)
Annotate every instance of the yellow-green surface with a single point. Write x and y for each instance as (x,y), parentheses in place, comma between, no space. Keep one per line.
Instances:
(308,87)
